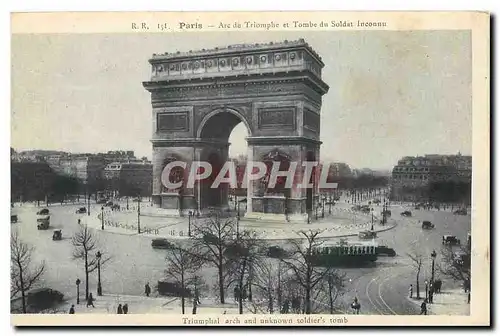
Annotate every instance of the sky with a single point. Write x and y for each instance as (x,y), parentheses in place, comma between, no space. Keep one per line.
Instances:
(392,94)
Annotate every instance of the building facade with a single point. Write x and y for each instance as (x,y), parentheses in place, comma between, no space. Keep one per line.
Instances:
(129,178)
(425,178)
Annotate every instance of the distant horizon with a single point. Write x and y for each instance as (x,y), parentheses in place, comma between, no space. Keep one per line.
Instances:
(237,154)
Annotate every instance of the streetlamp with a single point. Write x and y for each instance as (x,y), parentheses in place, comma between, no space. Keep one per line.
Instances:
(238,222)
(102,218)
(426,289)
(372,218)
(323,207)
(88,205)
(139,214)
(99,287)
(433,256)
(78,291)
(127,202)
(190,213)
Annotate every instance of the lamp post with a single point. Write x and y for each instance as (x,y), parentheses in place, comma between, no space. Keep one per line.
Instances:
(238,222)
(323,207)
(139,214)
(127,202)
(371,210)
(88,205)
(433,256)
(78,291)
(99,287)
(426,289)
(190,213)
(102,218)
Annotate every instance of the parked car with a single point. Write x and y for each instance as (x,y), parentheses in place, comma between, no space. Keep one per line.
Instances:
(172,289)
(388,213)
(43,298)
(450,240)
(81,210)
(43,223)
(161,243)
(13,218)
(57,234)
(43,212)
(406,213)
(427,225)
(385,251)
(462,212)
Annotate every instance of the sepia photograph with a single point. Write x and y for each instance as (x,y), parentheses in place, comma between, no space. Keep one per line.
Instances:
(264,174)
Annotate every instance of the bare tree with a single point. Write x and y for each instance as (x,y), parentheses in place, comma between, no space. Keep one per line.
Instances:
(418,260)
(212,238)
(268,280)
(84,243)
(244,252)
(24,275)
(456,264)
(182,265)
(301,263)
(332,287)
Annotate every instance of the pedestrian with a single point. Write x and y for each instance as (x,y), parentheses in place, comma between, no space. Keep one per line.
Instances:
(410,290)
(356,306)
(125,308)
(72,309)
(90,301)
(423,307)
(468,297)
(119,310)
(431,295)
(147,289)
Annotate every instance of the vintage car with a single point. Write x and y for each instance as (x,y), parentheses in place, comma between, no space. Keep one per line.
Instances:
(427,225)
(102,201)
(43,222)
(367,235)
(406,213)
(43,212)
(81,210)
(376,201)
(13,218)
(161,243)
(172,289)
(109,204)
(43,298)
(450,240)
(462,212)
(276,252)
(57,234)
(383,250)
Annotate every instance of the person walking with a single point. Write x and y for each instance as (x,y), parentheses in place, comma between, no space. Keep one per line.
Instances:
(410,291)
(72,309)
(423,307)
(125,308)
(356,306)
(90,301)
(119,310)
(147,289)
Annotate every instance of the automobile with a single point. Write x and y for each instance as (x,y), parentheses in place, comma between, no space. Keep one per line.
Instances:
(109,203)
(43,298)
(81,210)
(57,234)
(376,201)
(172,289)
(43,223)
(385,251)
(367,234)
(406,213)
(137,199)
(276,252)
(427,225)
(161,243)
(450,240)
(388,213)
(13,218)
(115,207)
(43,212)
(462,212)
(102,201)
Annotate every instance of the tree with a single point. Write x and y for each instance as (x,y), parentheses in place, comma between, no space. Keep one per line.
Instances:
(268,280)
(244,253)
(212,239)
(300,262)
(24,275)
(456,265)
(417,259)
(182,265)
(333,289)
(84,243)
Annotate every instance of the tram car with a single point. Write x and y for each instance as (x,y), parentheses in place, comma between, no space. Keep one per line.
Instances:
(345,254)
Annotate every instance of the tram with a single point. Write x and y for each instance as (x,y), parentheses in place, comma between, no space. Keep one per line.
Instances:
(345,254)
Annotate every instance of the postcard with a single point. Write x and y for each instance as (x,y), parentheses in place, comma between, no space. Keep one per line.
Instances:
(250,168)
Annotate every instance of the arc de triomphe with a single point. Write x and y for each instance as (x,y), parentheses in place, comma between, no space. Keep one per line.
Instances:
(198,97)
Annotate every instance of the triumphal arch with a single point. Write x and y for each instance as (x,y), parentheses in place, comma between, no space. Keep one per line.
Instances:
(198,97)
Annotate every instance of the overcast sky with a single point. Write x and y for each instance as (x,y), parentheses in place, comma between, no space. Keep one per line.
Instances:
(391,93)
